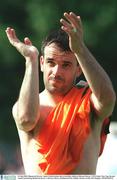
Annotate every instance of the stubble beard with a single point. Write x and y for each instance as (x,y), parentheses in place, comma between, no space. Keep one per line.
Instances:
(58,91)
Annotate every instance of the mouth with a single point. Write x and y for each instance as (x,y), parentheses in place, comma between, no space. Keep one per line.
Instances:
(56,79)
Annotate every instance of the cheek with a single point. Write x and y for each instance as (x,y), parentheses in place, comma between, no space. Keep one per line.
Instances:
(73,72)
(47,72)
(70,76)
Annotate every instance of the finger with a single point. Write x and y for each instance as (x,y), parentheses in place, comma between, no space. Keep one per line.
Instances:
(27,41)
(65,29)
(74,16)
(79,21)
(68,28)
(11,34)
(8,31)
(70,19)
(67,16)
(73,19)
(66,24)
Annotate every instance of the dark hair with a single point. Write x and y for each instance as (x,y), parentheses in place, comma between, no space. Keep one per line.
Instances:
(59,37)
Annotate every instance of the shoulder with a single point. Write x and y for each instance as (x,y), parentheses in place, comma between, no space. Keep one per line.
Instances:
(43,97)
(84,87)
(81,84)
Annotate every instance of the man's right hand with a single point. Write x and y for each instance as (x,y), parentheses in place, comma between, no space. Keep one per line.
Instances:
(26,49)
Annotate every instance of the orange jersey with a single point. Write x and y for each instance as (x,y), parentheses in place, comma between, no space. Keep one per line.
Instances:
(64,131)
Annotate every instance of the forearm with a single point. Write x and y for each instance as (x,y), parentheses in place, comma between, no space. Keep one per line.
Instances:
(95,75)
(28,101)
(103,95)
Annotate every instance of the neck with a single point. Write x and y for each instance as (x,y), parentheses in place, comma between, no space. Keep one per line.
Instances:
(53,97)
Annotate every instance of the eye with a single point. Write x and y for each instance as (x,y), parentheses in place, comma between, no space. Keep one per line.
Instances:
(50,62)
(66,65)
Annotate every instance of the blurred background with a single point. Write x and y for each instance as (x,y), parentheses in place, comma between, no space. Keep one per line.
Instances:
(35,18)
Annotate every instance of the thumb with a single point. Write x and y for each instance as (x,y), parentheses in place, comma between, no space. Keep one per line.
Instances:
(27,41)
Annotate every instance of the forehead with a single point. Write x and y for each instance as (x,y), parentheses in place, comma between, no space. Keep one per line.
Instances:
(53,51)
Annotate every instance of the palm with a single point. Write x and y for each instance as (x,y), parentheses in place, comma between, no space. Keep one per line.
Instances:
(73,27)
(75,41)
(26,48)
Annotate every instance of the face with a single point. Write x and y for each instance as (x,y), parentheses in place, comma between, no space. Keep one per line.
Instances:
(59,69)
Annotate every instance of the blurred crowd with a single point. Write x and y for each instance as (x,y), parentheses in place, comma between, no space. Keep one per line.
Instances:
(10,159)
(107,162)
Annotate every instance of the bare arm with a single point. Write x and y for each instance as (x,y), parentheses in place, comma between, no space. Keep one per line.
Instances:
(103,95)
(26,109)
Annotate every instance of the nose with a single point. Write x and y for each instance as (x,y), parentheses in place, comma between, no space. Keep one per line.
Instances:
(56,70)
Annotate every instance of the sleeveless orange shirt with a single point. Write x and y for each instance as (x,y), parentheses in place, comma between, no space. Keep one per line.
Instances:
(64,133)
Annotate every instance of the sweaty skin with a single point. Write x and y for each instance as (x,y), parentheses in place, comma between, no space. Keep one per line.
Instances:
(60,70)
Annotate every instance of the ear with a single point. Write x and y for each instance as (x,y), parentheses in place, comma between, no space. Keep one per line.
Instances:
(41,62)
(79,71)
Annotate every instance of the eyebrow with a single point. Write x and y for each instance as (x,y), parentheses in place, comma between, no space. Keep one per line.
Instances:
(51,59)
(65,61)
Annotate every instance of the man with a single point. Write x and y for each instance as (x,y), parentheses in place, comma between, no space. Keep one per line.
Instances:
(61,129)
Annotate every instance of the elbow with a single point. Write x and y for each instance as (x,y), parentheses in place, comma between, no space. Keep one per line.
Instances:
(110,103)
(111,99)
(26,123)
(108,97)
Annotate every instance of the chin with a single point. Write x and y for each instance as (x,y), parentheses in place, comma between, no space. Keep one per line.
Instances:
(58,92)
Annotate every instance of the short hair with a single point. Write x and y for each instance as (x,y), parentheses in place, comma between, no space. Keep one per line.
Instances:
(58,37)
